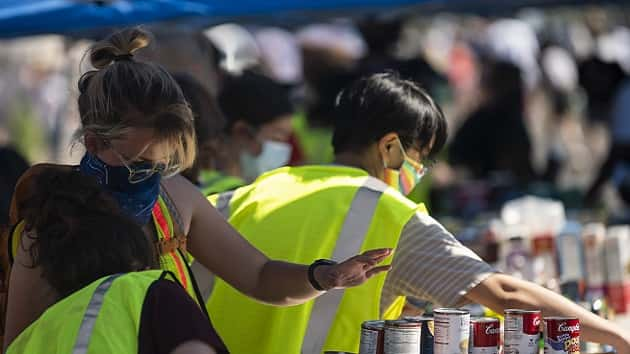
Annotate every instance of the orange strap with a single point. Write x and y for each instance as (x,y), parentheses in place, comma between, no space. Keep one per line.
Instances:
(168,244)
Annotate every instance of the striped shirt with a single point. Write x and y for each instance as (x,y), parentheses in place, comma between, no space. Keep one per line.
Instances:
(430,264)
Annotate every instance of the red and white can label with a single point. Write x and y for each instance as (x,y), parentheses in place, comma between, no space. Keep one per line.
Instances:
(484,336)
(562,335)
(521,332)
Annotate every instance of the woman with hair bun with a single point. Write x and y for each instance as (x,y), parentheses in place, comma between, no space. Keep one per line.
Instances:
(138,132)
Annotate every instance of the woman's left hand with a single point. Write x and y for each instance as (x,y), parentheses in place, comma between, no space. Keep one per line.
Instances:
(353,271)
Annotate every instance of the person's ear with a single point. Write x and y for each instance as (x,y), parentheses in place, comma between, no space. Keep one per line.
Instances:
(388,148)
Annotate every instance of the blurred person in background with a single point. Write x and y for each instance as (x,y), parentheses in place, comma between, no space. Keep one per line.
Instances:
(12,166)
(601,81)
(259,113)
(138,135)
(209,134)
(616,166)
(382,38)
(330,52)
(193,53)
(327,211)
(85,249)
(494,137)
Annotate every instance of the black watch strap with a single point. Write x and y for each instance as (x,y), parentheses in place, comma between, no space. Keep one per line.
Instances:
(311,272)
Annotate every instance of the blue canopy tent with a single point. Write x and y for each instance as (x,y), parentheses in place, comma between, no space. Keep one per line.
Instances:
(30,17)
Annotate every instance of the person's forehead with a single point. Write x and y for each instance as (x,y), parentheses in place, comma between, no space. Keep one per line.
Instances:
(281,126)
(281,123)
(139,143)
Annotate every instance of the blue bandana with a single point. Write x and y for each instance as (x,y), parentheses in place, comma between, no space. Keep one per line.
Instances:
(135,199)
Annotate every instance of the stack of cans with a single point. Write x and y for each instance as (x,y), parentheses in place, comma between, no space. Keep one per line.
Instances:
(452,331)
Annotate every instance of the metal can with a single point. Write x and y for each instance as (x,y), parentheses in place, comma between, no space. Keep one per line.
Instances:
(484,336)
(452,330)
(402,337)
(372,336)
(426,334)
(521,331)
(562,335)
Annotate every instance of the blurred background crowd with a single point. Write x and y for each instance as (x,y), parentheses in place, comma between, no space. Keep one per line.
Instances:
(537,101)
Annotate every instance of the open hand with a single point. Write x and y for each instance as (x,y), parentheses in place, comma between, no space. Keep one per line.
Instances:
(353,271)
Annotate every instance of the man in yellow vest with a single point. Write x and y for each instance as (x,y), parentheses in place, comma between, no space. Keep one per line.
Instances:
(308,213)
(94,260)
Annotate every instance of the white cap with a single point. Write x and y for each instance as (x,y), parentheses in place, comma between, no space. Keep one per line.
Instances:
(237,44)
(515,41)
(340,37)
(615,47)
(280,53)
(560,68)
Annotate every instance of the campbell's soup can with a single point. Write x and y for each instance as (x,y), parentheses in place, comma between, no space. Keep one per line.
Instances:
(521,331)
(485,335)
(562,335)
(372,337)
(426,334)
(402,337)
(452,330)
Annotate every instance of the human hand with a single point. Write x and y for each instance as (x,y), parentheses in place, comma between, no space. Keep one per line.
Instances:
(353,271)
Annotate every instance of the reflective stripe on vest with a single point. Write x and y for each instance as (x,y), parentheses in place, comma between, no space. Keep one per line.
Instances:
(102,317)
(91,313)
(353,232)
(298,214)
(223,203)
(173,261)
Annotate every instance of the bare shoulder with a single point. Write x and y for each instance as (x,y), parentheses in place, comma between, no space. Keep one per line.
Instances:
(185,196)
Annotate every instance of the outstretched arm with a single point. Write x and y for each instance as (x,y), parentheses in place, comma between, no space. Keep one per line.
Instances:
(500,292)
(221,249)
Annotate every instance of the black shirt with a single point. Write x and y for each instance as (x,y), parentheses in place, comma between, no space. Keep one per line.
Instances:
(170,317)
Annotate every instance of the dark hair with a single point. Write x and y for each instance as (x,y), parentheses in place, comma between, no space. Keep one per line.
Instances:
(503,82)
(209,120)
(382,103)
(253,98)
(123,93)
(380,35)
(79,233)
(13,166)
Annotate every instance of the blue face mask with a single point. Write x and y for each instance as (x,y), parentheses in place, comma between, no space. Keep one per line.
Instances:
(135,199)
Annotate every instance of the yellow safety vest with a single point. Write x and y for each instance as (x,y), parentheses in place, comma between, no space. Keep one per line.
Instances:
(171,248)
(103,317)
(213,182)
(300,214)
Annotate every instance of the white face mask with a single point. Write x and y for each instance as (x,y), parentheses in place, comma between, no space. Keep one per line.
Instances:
(273,155)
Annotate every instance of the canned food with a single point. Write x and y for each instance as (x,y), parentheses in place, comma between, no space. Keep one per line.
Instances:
(372,336)
(562,335)
(426,334)
(521,332)
(402,337)
(484,336)
(452,329)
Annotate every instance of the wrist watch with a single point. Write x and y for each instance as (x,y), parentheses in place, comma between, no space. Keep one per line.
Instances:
(311,272)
